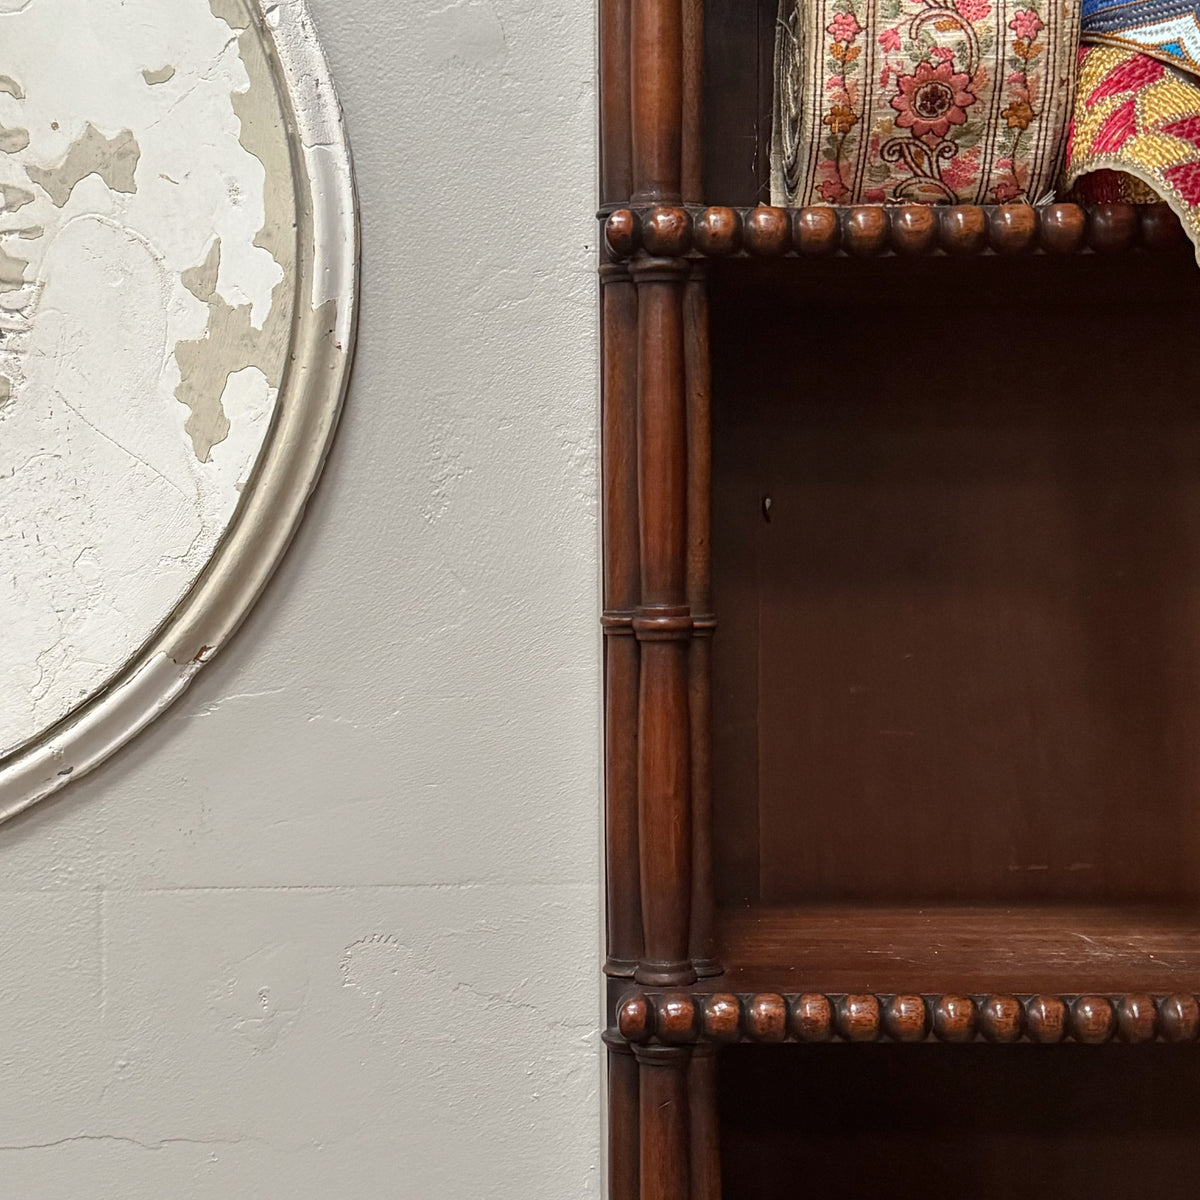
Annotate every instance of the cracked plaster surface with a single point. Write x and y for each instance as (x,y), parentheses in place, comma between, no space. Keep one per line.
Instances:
(147,265)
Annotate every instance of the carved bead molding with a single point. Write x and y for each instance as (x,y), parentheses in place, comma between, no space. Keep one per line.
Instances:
(680,1018)
(870,230)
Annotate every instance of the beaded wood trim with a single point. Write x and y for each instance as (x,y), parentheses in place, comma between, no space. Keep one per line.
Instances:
(872,230)
(682,1018)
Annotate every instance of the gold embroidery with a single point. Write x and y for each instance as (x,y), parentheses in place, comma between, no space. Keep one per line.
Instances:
(1139,118)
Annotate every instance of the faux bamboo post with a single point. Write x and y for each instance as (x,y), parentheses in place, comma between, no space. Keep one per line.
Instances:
(622,583)
(699,594)
(662,621)
(665,1136)
(703,1131)
(656,57)
(624,1116)
(663,626)
(616,132)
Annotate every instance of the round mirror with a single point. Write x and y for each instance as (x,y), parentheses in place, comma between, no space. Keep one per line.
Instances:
(178,257)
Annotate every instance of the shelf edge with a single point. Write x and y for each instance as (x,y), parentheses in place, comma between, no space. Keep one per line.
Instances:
(694,1017)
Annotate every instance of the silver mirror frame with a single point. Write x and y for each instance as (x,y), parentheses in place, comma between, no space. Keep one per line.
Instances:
(306,418)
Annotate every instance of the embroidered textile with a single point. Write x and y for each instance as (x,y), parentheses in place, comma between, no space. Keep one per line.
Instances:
(1137,116)
(1111,187)
(1165,29)
(928,101)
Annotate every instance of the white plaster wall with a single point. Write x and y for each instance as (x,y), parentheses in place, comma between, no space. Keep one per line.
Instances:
(330,928)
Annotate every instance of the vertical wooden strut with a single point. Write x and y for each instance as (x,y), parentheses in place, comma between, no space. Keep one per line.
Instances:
(616,131)
(704,623)
(624,1117)
(703,1130)
(660,69)
(692,162)
(622,584)
(663,621)
(665,1134)
(656,55)
(663,626)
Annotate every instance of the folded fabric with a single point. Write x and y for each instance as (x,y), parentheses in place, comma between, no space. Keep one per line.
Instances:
(1141,118)
(1165,29)
(1111,187)
(936,101)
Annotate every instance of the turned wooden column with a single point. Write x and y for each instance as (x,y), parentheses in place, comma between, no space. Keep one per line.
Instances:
(663,626)
(704,1136)
(651,155)
(616,130)
(691,153)
(622,588)
(656,58)
(624,1119)
(665,1134)
(704,623)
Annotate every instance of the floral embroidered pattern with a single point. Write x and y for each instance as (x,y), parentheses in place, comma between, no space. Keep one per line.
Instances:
(940,101)
(932,99)
(1021,85)
(842,115)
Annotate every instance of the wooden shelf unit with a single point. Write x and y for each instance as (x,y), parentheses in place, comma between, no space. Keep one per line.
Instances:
(933,777)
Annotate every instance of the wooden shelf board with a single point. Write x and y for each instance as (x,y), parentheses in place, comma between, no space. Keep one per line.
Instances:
(1066,950)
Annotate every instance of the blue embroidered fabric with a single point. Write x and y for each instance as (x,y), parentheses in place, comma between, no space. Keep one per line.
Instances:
(1164,29)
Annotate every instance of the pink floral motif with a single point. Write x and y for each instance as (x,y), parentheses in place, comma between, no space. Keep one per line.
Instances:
(974,10)
(943,52)
(1006,191)
(844,27)
(889,39)
(835,83)
(874,196)
(932,99)
(1026,24)
(832,190)
(960,171)
(1004,164)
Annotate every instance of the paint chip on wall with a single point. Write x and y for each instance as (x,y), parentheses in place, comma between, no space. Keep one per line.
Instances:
(162,75)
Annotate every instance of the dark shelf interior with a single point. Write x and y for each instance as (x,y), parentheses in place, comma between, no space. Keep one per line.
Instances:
(950,1122)
(739,38)
(958,668)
